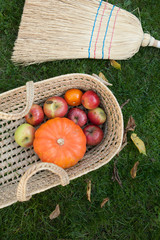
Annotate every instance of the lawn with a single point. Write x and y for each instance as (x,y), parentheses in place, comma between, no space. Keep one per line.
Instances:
(133,211)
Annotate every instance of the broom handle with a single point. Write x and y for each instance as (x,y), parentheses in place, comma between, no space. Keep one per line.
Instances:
(148,40)
(156,43)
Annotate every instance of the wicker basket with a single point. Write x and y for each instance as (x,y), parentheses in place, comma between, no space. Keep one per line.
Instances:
(22,174)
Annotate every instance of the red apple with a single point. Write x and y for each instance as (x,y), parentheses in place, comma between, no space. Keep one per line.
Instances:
(35,115)
(55,107)
(78,116)
(94,134)
(90,99)
(97,116)
(24,135)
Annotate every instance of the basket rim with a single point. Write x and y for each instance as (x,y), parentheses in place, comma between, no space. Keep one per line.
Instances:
(68,75)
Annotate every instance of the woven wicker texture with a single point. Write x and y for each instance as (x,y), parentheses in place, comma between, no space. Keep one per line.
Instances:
(67,29)
(21,172)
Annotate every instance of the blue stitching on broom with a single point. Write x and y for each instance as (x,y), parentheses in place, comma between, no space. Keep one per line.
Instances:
(106,31)
(93,29)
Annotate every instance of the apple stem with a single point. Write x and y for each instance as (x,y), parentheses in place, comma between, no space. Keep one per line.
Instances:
(60,141)
(25,139)
(90,131)
(49,102)
(76,119)
(30,115)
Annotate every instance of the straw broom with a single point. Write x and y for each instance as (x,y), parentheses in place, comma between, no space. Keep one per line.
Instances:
(67,29)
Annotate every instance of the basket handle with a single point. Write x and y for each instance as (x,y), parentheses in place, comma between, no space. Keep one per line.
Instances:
(30,99)
(21,189)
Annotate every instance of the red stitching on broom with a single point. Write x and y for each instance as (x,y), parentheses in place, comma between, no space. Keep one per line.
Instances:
(113,33)
(99,29)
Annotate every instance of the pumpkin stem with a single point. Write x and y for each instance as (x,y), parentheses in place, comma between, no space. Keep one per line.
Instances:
(60,141)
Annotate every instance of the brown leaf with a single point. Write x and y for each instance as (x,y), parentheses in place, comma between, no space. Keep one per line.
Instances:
(101,75)
(89,190)
(105,200)
(102,80)
(116,175)
(55,213)
(115,64)
(127,101)
(131,124)
(130,127)
(134,170)
(153,160)
(124,137)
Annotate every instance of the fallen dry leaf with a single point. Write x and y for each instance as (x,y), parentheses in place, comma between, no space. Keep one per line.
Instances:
(153,160)
(105,200)
(131,124)
(103,81)
(101,75)
(134,170)
(89,190)
(55,213)
(124,138)
(116,175)
(127,101)
(115,64)
(130,127)
(138,143)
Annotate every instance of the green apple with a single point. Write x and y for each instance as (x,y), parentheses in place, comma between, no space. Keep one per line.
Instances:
(24,135)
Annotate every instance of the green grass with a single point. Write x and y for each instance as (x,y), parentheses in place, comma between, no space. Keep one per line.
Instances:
(133,212)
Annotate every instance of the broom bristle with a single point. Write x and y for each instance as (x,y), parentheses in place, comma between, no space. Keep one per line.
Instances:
(66,29)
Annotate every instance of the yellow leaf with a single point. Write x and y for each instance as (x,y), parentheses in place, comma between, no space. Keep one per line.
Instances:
(115,64)
(104,202)
(139,143)
(89,190)
(134,170)
(101,75)
(55,213)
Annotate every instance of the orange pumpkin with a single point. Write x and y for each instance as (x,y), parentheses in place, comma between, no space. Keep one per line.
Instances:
(60,141)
